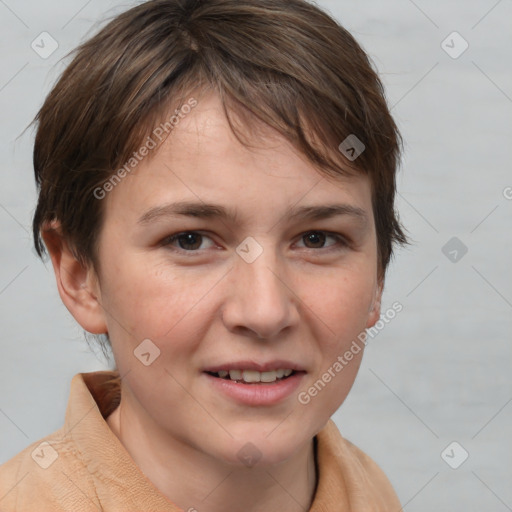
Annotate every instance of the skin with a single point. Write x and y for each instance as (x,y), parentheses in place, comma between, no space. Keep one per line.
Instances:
(302,299)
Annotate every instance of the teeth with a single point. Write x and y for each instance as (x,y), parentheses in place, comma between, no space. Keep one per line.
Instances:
(251,376)
(235,374)
(268,376)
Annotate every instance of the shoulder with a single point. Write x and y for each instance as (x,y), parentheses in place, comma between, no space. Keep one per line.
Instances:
(366,484)
(38,476)
(375,475)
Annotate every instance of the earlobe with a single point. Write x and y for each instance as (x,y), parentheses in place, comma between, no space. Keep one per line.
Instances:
(374,312)
(77,283)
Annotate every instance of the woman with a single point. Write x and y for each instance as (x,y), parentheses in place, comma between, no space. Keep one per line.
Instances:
(216,192)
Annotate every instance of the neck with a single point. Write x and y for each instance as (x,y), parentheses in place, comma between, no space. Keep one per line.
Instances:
(195,481)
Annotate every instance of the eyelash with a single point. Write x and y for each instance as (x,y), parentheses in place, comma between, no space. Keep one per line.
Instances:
(341,244)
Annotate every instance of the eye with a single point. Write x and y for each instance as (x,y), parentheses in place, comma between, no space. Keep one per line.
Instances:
(193,241)
(316,240)
(189,241)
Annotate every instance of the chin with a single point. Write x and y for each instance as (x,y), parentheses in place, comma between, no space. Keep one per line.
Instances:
(264,449)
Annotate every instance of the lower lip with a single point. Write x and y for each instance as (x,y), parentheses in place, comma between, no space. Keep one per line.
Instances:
(257,394)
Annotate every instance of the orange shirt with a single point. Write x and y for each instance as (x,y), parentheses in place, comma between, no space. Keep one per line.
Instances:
(83,467)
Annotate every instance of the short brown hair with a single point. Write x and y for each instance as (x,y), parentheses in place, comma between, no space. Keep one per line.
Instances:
(285,61)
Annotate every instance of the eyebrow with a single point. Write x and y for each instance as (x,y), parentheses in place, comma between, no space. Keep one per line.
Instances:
(213,211)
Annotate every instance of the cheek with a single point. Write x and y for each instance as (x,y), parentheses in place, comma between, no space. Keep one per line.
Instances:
(343,302)
(343,305)
(158,303)
(340,354)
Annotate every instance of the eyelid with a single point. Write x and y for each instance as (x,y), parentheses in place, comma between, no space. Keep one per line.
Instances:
(341,241)
(168,240)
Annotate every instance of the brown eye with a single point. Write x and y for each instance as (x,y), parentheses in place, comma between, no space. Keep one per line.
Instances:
(315,238)
(189,241)
(318,239)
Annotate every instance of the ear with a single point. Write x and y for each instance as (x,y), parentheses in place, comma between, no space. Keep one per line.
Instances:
(77,283)
(374,312)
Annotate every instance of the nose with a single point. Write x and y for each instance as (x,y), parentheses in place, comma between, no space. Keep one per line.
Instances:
(261,301)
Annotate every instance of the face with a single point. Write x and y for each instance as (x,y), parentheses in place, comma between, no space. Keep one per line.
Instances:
(225,259)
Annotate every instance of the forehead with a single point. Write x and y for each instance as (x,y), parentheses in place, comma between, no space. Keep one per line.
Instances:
(203,160)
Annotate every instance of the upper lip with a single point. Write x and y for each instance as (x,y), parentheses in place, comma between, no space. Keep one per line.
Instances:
(256,366)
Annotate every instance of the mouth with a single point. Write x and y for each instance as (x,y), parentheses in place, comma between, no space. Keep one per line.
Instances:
(254,376)
(254,383)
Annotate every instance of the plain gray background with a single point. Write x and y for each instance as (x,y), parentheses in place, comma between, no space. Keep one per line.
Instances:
(441,370)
